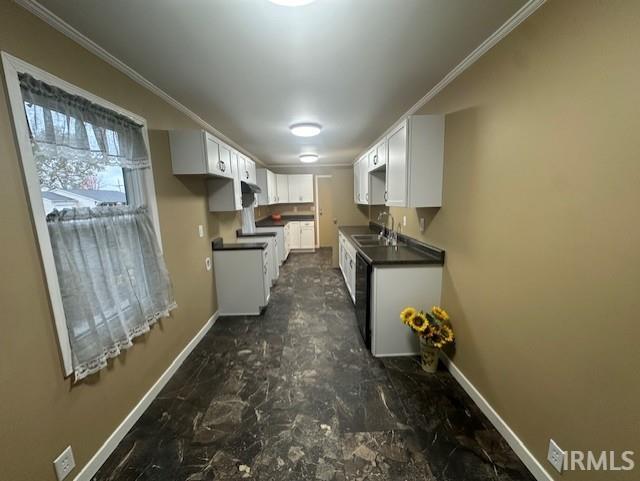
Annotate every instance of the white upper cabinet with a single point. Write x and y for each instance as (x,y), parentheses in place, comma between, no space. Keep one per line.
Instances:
(225,195)
(301,188)
(272,187)
(396,194)
(405,168)
(415,162)
(378,156)
(196,152)
(364,180)
(369,185)
(282,188)
(248,172)
(266,180)
(356,182)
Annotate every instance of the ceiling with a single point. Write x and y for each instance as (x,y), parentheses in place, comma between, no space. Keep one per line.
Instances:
(252,68)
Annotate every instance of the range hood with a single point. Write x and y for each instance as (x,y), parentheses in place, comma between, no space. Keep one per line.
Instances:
(249,188)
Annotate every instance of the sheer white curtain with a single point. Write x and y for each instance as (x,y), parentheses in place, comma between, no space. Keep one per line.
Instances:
(112,275)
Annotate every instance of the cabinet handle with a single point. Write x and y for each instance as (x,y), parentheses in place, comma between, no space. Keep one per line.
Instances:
(386,196)
(375,159)
(265,270)
(222,166)
(247,173)
(350,263)
(366,196)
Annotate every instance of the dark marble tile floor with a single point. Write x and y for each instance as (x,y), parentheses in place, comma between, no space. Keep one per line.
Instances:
(294,395)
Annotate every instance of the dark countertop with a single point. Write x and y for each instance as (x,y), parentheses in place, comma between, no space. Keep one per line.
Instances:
(218,245)
(269,222)
(413,252)
(239,233)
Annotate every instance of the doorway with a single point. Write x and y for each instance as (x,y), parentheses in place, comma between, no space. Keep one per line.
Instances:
(327,234)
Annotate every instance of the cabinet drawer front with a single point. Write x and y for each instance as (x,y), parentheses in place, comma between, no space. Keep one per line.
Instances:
(306,224)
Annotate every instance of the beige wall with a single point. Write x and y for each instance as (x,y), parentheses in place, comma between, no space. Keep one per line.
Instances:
(540,224)
(41,412)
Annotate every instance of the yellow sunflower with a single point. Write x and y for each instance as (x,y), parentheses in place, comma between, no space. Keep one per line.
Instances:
(418,322)
(406,314)
(447,334)
(440,313)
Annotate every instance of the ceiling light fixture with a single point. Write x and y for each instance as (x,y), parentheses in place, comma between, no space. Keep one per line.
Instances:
(305,130)
(308,158)
(292,3)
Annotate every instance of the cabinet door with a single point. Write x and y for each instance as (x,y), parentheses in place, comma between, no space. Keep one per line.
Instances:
(301,188)
(282,181)
(307,188)
(364,180)
(272,188)
(294,235)
(251,167)
(356,182)
(307,235)
(396,194)
(381,154)
(225,164)
(372,159)
(213,157)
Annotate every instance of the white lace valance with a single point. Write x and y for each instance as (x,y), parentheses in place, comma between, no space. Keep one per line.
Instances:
(65,126)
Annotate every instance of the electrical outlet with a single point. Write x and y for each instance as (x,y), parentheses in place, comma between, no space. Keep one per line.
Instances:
(556,456)
(404,221)
(421,224)
(207,263)
(200,230)
(64,463)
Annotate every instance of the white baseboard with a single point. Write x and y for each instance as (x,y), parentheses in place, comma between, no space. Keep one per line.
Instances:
(533,465)
(98,459)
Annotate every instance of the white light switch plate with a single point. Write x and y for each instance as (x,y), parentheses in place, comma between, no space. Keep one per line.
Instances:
(556,455)
(421,224)
(64,463)
(207,263)
(201,230)
(404,221)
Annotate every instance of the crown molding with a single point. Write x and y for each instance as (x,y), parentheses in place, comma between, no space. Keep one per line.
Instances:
(505,29)
(307,166)
(63,27)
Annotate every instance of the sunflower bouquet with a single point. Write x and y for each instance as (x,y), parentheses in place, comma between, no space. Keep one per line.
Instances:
(433,327)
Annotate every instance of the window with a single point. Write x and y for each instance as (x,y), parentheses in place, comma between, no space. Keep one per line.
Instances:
(90,184)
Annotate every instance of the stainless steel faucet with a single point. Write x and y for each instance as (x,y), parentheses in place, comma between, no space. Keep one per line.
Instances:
(391,236)
(381,234)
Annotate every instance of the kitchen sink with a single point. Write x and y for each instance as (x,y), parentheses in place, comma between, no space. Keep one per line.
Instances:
(370,240)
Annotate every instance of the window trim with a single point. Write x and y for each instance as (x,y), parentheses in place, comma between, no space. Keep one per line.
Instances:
(12,67)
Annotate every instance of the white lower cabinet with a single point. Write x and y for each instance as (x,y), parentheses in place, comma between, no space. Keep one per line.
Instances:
(307,235)
(273,258)
(280,240)
(242,278)
(347,262)
(287,241)
(301,235)
(294,235)
(392,289)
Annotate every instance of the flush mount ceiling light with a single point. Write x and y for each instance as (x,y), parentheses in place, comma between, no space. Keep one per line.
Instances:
(292,3)
(305,130)
(308,158)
